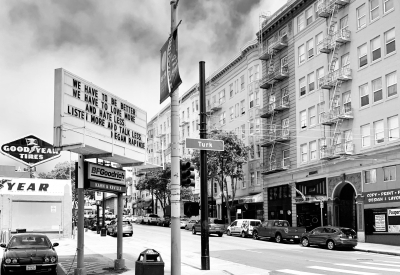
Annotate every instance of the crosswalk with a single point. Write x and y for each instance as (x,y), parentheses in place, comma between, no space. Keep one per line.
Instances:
(374,264)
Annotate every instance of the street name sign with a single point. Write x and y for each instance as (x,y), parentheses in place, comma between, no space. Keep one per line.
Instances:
(205,144)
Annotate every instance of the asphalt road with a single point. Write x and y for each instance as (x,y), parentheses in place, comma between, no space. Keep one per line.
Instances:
(266,255)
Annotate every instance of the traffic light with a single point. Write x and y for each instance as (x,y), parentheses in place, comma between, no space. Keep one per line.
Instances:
(187,174)
(191,209)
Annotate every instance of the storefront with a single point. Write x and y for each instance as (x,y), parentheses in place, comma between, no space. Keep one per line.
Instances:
(280,203)
(37,205)
(311,203)
(250,207)
(382,216)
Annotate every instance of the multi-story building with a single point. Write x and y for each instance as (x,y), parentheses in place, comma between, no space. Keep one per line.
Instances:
(344,151)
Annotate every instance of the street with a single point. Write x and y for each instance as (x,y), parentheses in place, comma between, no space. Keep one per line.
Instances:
(266,256)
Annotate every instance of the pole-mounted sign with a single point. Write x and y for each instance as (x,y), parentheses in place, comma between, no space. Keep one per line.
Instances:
(30,150)
(205,144)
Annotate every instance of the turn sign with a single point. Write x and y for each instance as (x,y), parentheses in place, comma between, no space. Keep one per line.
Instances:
(205,144)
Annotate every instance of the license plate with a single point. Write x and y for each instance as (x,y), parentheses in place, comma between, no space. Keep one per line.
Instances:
(350,237)
(217,228)
(31,267)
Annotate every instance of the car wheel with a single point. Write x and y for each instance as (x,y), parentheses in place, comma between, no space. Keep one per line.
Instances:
(115,234)
(330,244)
(194,231)
(278,238)
(304,242)
(255,235)
(219,234)
(243,235)
(148,222)
(228,233)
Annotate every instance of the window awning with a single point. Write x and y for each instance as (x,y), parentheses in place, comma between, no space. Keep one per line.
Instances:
(251,199)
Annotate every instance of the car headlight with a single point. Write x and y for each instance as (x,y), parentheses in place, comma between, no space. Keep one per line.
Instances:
(8,261)
(14,261)
(53,259)
(46,259)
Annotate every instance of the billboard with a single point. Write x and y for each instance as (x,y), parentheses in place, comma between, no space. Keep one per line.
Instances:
(89,120)
(30,150)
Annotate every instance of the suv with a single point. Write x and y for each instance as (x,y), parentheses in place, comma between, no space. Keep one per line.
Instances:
(151,218)
(215,226)
(242,227)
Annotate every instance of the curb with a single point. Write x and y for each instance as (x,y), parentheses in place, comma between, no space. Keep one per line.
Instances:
(378,252)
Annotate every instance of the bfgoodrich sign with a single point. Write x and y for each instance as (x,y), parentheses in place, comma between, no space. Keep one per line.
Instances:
(30,150)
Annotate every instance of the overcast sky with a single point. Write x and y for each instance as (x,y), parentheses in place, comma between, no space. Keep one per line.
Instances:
(113,44)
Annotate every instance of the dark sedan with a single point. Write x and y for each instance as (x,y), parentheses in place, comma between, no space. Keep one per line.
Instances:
(331,237)
(215,226)
(29,253)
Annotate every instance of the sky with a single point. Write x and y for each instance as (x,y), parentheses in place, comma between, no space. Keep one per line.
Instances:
(113,44)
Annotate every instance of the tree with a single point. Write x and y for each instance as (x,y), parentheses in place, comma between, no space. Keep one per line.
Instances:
(225,164)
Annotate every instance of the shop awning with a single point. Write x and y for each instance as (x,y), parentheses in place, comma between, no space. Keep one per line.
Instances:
(251,199)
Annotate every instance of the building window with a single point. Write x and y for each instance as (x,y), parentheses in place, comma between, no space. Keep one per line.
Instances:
(374,6)
(197,124)
(251,100)
(193,106)
(285,158)
(309,16)
(302,56)
(236,109)
(285,127)
(250,75)
(344,23)
(321,111)
(188,111)
(393,125)
(312,116)
(348,141)
(257,72)
(285,95)
(377,89)
(370,176)
(311,82)
(346,102)
(232,112)
(375,48)
(222,118)
(364,95)
(242,82)
(243,131)
(302,86)
(365,136)
(300,22)
(361,17)
(221,96)
(388,5)
(389,173)
(231,90)
(313,150)
(251,126)
(362,56)
(390,41)
(320,77)
(242,107)
(258,124)
(303,153)
(379,132)
(322,147)
(303,119)
(310,48)
(319,38)
(257,98)
(391,84)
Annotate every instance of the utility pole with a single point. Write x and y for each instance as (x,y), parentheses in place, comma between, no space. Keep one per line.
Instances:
(205,251)
(80,267)
(175,173)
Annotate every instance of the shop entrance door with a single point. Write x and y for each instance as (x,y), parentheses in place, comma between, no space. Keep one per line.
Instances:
(347,216)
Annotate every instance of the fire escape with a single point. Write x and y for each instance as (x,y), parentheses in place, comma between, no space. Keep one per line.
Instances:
(275,134)
(331,146)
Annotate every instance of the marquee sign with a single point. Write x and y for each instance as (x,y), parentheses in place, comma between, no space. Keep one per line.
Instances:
(384,196)
(89,120)
(30,150)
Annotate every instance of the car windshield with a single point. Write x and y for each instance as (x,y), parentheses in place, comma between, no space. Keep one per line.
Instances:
(29,241)
(348,231)
(184,219)
(216,221)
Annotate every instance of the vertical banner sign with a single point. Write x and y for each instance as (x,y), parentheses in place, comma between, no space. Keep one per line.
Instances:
(164,88)
(173,69)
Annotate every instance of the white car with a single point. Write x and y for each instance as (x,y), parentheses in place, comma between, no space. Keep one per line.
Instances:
(151,218)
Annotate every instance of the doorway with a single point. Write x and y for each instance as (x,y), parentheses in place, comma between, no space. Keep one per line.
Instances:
(346,214)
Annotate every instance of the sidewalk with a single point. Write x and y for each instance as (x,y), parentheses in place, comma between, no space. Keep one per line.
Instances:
(97,263)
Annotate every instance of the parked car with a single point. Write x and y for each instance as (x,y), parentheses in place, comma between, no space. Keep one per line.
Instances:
(108,221)
(278,230)
(93,223)
(242,227)
(151,218)
(127,228)
(184,221)
(189,224)
(331,237)
(139,219)
(215,226)
(164,221)
(17,256)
